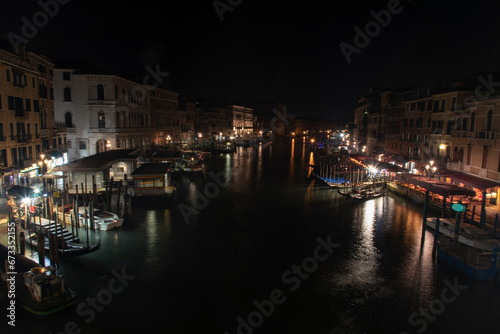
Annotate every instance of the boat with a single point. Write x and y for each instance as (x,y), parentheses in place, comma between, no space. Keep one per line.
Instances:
(104,220)
(39,290)
(192,161)
(467,235)
(65,249)
(346,189)
(362,191)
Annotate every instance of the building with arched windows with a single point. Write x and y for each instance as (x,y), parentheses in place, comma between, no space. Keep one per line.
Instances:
(100,111)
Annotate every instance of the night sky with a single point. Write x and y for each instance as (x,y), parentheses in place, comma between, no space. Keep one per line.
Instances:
(287,51)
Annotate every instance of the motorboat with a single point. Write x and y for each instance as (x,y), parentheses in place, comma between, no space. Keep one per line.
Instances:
(39,290)
(104,220)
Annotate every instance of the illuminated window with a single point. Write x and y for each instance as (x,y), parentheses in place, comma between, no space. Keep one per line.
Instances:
(101,120)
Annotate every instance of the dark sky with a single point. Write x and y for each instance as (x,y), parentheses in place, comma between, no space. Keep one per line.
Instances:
(286,51)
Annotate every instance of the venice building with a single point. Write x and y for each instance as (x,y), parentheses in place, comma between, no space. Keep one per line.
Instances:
(101,111)
(26,115)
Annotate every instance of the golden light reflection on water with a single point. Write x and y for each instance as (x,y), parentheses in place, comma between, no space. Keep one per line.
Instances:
(364,261)
(384,228)
(311,161)
(158,231)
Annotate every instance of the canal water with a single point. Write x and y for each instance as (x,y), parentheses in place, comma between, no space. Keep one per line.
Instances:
(256,246)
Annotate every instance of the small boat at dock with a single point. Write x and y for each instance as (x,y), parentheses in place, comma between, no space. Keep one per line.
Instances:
(468,235)
(39,290)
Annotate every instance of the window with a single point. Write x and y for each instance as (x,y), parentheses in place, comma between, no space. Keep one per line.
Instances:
(485,157)
(68,120)
(100,92)
(42,90)
(489,121)
(2,138)
(429,105)
(13,154)
(33,82)
(66,76)
(472,121)
(101,120)
(83,145)
(28,105)
(449,126)
(7,75)
(36,106)
(67,94)
(11,103)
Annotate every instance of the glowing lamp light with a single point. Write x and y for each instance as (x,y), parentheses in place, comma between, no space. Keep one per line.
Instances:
(442,146)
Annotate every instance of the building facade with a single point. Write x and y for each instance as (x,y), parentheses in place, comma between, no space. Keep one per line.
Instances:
(26,115)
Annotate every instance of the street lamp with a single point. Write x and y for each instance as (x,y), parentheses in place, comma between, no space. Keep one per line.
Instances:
(431,169)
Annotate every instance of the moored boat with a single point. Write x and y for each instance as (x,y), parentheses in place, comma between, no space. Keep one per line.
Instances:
(39,290)
(467,235)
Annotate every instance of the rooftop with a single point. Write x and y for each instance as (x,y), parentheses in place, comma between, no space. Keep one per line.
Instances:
(99,161)
(152,168)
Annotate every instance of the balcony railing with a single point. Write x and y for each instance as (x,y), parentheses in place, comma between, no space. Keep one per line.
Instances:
(485,135)
(459,133)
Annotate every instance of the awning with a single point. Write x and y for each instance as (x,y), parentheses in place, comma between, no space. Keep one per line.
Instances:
(440,188)
(473,181)
(29,169)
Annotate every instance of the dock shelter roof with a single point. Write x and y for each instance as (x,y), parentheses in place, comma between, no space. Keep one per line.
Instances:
(472,181)
(151,169)
(99,161)
(440,188)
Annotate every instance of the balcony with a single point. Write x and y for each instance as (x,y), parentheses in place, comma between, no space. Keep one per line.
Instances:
(44,132)
(22,139)
(459,133)
(485,135)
